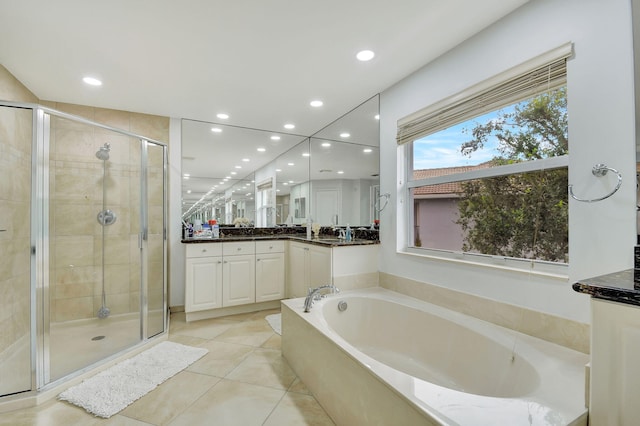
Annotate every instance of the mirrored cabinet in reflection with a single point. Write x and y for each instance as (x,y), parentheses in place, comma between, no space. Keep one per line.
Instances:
(248,177)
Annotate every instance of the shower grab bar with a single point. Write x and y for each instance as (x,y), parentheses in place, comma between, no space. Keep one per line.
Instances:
(599,170)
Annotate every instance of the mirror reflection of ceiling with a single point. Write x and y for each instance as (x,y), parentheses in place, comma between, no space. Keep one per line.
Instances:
(213,159)
(217,158)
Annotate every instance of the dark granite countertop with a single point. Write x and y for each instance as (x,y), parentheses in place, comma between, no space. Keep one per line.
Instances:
(328,241)
(621,287)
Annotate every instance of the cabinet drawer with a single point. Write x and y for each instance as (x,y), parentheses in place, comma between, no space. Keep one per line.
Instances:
(204,250)
(274,246)
(244,247)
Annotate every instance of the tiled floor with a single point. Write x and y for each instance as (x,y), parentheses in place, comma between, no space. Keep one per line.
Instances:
(243,380)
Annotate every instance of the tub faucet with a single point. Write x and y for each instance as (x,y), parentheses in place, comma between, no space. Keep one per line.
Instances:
(314,294)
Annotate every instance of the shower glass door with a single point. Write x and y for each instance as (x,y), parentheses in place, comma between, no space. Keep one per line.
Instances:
(95,265)
(15,245)
(155,195)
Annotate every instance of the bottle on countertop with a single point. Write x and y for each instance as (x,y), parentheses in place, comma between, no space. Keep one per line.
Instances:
(348,233)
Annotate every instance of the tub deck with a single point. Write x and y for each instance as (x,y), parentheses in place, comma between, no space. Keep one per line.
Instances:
(357,387)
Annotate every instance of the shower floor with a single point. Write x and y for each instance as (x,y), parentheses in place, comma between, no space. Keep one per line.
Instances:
(78,344)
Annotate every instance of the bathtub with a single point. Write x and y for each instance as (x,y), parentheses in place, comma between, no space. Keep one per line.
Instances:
(392,359)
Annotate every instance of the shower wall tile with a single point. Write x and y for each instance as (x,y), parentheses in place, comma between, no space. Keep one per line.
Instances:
(72,219)
(568,333)
(77,251)
(113,118)
(12,90)
(73,309)
(151,126)
(76,189)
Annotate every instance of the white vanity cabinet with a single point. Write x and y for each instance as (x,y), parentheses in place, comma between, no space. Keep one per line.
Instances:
(270,270)
(238,273)
(203,277)
(309,266)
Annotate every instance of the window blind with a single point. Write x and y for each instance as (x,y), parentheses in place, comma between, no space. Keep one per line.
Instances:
(542,73)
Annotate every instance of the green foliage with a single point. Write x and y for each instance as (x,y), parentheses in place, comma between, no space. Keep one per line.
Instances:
(523,215)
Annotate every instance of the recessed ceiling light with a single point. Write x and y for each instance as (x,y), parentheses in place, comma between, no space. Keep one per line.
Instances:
(285,183)
(290,181)
(316,103)
(278,170)
(365,55)
(234,173)
(306,154)
(261,149)
(216,129)
(377,117)
(367,150)
(275,138)
(290,164)
(340,172)
(237,167)
(222,116)
(289,126)
(246,160)
(188,191)
(326,144)
(345,135)
(91,81)
(226,179)
(277,190)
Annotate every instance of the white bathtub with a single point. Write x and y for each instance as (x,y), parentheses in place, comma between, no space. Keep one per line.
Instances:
(393,359)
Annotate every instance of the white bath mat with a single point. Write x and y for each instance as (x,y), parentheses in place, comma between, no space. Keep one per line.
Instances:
(110,391)
(275,321)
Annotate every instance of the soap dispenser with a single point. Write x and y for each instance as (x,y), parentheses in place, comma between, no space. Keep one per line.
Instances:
(348,233)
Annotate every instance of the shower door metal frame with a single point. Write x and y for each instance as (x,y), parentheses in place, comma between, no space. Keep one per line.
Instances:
(40,315)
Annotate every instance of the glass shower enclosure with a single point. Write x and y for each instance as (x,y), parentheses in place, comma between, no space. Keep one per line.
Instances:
(83,237)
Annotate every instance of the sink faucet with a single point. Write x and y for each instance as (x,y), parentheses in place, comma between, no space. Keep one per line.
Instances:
(314,294)
(342,235)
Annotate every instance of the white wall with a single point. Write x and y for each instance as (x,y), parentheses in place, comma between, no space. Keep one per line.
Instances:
(601,130)
(176,248)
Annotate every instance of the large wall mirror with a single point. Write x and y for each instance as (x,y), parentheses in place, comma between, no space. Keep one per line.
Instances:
(250,177)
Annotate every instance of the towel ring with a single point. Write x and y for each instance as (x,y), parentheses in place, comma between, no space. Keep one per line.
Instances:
(386,197)
(599,170)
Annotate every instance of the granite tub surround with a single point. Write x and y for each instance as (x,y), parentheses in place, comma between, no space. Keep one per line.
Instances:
(564,332)
(621,287)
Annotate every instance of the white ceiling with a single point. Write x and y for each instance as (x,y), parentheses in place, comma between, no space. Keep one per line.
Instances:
(260,61)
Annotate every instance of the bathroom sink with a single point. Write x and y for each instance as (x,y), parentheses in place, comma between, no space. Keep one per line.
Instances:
(331,240)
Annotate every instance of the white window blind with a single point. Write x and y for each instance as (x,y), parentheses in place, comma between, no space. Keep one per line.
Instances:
(542,73)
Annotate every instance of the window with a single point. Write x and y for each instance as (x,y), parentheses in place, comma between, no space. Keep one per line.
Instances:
(487,169)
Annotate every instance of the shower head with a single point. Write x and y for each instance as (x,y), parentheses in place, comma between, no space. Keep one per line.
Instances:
(103,152)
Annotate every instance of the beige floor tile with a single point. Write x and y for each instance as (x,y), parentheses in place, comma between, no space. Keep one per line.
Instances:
(298,387)
(51,413)
(187,340)
(273,342)
(297,409)
(221,359)
(167,401)
(265,313)
(120,420)
(204,329)
(265,367)
(231,403)
(251,332)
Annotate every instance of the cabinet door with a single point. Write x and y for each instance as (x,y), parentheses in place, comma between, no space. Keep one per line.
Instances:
(203,289)
(239,280)
(297,282)
(319,268)
(269,277)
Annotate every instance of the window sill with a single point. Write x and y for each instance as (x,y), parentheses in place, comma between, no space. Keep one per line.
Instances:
(550,270)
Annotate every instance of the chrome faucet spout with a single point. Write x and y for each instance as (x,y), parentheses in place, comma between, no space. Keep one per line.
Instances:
(314,294)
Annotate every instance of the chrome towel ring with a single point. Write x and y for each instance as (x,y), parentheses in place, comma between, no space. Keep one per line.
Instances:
(599,170)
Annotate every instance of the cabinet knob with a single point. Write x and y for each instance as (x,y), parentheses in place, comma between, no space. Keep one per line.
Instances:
(239,248)
(270,247)
(204,250)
